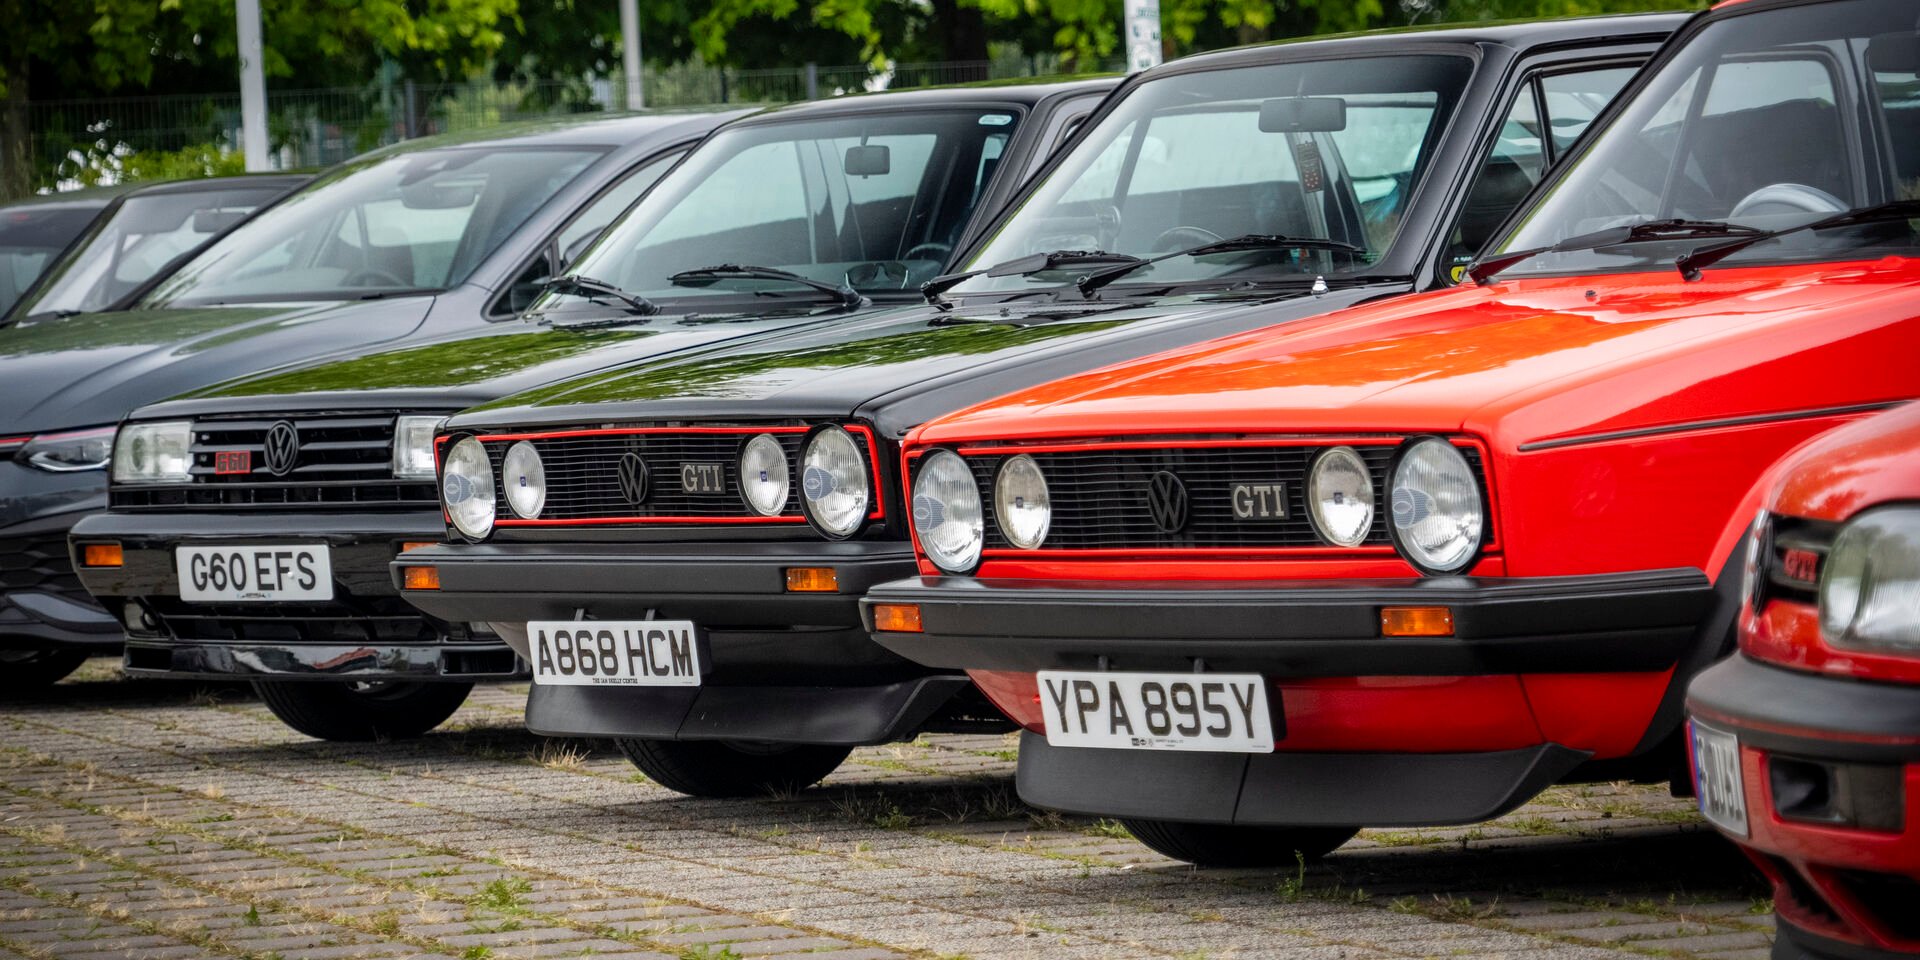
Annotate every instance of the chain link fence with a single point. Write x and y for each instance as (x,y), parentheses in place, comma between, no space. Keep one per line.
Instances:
(85,141)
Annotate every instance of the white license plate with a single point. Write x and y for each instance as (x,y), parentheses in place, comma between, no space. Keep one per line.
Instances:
(1219,712)
(634,653)
(1720,784)
(295,571)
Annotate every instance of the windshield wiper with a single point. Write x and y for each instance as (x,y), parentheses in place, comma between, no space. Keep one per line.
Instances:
(1482,271)
(599,291)
(1018,267)
(843,291)
(1092,282)
(1700,258)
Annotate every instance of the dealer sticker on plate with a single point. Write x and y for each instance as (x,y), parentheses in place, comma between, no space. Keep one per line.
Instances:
(633,653)
(1220,712)
(1721,786)
(298,571)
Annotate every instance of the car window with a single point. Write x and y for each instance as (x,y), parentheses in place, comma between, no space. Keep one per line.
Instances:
(575,237)
(418,220)
(29,240)
(1574,98)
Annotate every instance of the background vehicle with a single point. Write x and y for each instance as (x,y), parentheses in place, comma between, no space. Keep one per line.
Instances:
(344,657)
(1360,150)
(34,232)
(138,235)
(411,242)
(1806,744)
(1452,549)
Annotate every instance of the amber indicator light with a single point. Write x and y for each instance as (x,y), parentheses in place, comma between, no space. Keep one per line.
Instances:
(416,544)
(420,578)
(101,555)
(1416,622)
(897,617)
(813,580)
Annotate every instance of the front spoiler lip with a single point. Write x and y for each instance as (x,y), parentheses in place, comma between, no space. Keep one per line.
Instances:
(321,661)
(1602,623)
(848,715)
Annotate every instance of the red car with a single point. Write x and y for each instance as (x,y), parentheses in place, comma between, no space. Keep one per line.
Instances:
(1806,744)
(1414,561)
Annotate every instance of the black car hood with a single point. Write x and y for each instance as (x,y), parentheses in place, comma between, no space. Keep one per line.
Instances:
(91,370)
(901,368)
(480,365)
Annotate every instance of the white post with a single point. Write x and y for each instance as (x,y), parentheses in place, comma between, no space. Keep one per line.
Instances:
(1143,34)
(630,52)
(253,87)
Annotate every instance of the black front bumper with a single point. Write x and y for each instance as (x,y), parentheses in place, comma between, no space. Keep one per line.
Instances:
(366,632)
(42,603)
(1805,714)
(1610,623)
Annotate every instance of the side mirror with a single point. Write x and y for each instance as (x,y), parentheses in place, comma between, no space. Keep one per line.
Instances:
(1895,53)
(1303,115)
(868,161)
(214,221)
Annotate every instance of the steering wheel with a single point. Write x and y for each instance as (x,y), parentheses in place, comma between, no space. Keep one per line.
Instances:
(937,251)
(1787,198)
(382,277)
(1182,237)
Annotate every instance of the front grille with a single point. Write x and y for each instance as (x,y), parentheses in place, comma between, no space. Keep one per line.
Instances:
(584,483)
(341,461)
(39,563)
(1795,549)
(1101,498)
(341,621)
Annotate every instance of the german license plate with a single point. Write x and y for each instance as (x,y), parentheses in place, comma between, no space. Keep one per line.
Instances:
(1719,782)
(633,653)
(299,571)
(1218,712)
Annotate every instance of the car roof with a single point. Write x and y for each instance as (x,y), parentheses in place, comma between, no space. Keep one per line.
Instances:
(207,184)
(1024,91)
(83,199)
(1517,35)
(597,129)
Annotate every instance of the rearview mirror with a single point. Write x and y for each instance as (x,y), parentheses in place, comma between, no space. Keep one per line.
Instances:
(1303,115)
(1896,53)
(432,196)
(868,161)
(214,221)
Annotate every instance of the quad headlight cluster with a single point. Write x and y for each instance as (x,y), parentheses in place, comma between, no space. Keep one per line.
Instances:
(1438,514)
(1870,583)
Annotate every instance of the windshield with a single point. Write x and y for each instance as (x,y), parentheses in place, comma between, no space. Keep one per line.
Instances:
(30,237)
(876,202)
(420,220)
(1323,150)
(1762,121)
(145,234)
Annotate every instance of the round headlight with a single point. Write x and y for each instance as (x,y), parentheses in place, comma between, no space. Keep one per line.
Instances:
(1020,502)
(1340,496)
(834,482)
(1437,515)
(947,513)
(1870,583)
(525,478)
(763,475)
(466,489)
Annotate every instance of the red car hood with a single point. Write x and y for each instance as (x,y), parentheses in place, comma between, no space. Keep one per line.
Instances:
(1517,362)
(1855,467)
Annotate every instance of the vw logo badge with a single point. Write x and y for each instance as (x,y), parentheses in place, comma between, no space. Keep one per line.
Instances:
(631,473)
(282,449)
(1167,502)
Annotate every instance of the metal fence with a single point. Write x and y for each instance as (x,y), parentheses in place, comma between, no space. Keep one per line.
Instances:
(82,140)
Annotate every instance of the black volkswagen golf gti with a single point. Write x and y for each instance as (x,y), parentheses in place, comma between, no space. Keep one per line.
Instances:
(1213,195)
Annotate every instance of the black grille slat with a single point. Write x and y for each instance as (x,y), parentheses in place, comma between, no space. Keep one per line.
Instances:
(583,474)
(39,563)
(345,461)
(343,620)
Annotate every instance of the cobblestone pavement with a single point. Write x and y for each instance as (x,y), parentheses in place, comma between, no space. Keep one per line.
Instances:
(164,820)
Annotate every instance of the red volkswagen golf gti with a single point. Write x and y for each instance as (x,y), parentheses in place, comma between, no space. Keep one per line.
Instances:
(1414,561)
(1806,744)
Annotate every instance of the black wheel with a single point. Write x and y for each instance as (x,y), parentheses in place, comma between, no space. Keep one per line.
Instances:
(727,768)
(25,670)
(362,711)
(1225,845)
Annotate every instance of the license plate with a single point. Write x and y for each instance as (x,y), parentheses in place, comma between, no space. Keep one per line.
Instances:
(1720,783)
(297,571)
(633,653)
(1218,712)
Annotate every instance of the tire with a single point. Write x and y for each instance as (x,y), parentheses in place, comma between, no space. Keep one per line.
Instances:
(1226,845)
(24,671)
(724,768)
(358,712)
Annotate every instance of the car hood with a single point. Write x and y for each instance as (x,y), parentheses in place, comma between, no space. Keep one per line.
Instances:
(1518,362)
(92,369)
(475,366)
(900,368)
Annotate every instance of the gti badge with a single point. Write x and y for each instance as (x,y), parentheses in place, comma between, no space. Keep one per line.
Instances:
(281,448)
(631,474)
(1260,501)
(1167,502)
(702,478)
